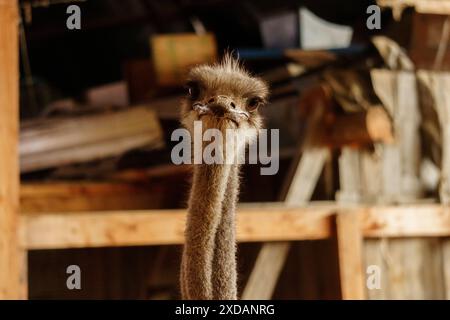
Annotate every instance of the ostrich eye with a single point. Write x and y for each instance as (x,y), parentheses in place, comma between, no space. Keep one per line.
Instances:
(254,103)
(193,90)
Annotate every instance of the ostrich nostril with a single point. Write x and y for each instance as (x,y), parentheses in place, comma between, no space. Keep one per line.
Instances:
(233,105)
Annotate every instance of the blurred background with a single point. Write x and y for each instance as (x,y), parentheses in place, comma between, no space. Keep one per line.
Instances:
(358,126)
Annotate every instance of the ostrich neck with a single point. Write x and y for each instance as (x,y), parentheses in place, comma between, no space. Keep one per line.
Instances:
(224,279)
(204,214)
(208,269)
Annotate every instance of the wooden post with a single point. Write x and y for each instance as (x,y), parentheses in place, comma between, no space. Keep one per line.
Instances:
(12,280)
(350,254)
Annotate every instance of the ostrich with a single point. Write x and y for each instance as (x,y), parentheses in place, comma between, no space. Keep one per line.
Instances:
(222,96)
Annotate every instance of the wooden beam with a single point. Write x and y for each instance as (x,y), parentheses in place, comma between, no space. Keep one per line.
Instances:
(415,220)
(255,223)
(159,227)
(350,255)
(89,196)
(12,264)
(125,190)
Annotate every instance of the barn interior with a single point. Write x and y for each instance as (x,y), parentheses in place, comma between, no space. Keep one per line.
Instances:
(357,207)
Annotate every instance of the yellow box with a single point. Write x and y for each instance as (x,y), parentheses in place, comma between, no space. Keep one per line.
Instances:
(174,54)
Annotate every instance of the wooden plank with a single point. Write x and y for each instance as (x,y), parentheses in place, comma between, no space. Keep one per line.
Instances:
(350,255)
(158,227)
(255,223)
(401,161)
(409,269)
(75,189)
(270,262)
(127,190)
(406,221)
(86,152)
(45,135)
(401,183)
(89,196)
(415,269)
(126,181)
(359,177)
(12,266)
(53,142)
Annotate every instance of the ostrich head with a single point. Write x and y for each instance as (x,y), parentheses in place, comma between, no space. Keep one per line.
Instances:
(224,96)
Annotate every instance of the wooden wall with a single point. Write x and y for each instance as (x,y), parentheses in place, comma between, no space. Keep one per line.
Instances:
(416,268)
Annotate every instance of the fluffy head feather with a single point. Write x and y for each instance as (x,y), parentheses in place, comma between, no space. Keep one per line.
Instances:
(229,83)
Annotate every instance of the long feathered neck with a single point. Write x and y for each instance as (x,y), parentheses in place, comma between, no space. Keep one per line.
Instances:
(204,216)
(224,278)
